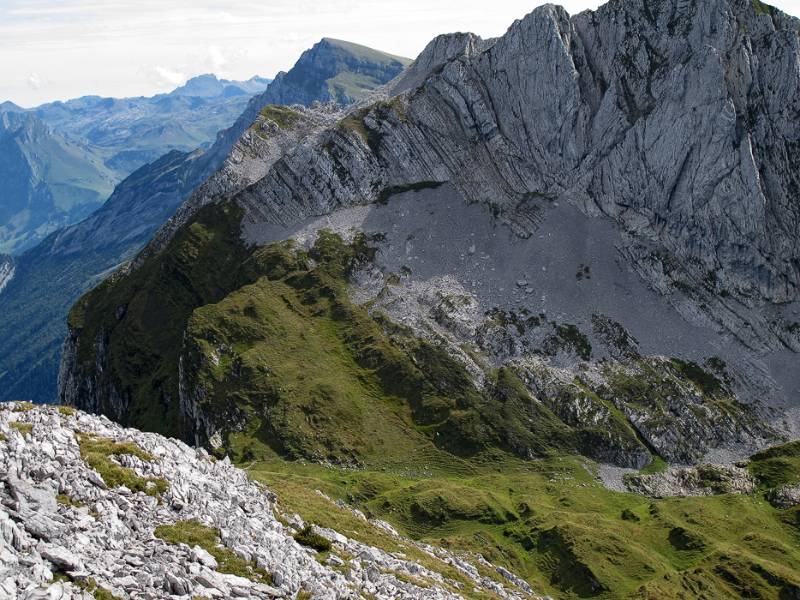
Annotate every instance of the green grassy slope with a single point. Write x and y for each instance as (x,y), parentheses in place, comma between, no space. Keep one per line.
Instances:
(299,357)
(367,54)
(554,524)
(777,466)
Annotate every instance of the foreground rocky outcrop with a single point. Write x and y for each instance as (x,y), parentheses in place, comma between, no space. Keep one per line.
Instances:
(86,505)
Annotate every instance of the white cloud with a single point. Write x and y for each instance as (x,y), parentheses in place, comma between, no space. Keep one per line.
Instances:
(169,76)
(34,81)
(216,59)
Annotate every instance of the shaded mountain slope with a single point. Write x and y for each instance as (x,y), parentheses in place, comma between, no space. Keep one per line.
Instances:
(130,132)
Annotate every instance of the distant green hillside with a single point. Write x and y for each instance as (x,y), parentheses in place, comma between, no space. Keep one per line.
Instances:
(46,181)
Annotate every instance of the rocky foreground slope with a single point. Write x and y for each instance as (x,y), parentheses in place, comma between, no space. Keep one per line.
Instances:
(89,509)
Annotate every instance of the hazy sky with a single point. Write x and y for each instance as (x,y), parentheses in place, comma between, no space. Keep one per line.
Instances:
(59,49)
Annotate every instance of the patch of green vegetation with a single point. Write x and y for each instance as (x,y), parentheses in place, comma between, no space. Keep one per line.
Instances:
(194,533)
(100,593)
(355,123)
(629,515)
(762,8)
(383,197)
(22,406)
(566,337)
(66,411)
(23,428)
(308,537)
(708,383)
(283,116)
(97,452)
(65,500)
(552,523)
(3,438)
(657,465)
(776,466)
(88,585)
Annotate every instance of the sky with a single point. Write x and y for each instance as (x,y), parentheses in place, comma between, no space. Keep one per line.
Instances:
(60,49)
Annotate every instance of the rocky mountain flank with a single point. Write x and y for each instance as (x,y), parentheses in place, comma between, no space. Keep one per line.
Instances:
(6,270)
(604,206)
(51,276)
(91,510)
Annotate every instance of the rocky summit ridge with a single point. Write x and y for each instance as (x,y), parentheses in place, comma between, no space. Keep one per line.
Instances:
(89,509)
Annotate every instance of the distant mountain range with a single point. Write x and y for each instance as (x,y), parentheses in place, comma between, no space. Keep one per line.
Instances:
(44,281)
(46,180)
(60,161)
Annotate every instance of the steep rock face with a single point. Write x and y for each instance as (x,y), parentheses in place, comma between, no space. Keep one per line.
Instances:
(73,259)
(659,125)
(191,526)
(572,129)
(440,51)
(565,128)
